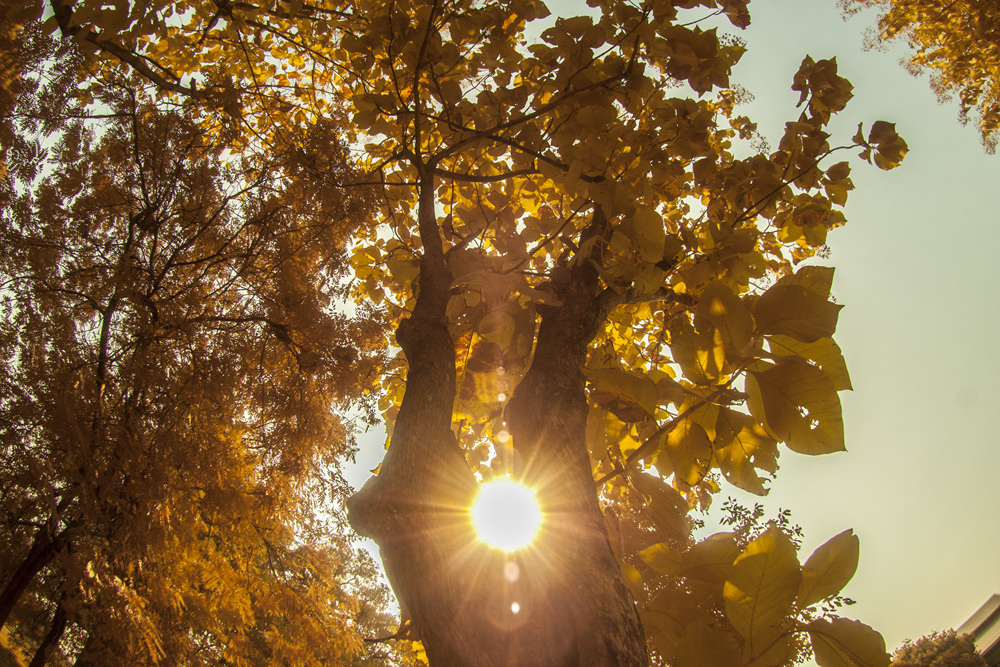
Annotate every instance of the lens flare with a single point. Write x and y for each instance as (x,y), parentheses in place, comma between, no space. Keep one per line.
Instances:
(506,515)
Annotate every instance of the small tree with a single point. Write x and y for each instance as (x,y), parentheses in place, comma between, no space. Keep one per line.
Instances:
(169,359)
(939,649)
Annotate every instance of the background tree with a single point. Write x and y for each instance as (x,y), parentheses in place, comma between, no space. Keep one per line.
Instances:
(958,42)
(939,649)
(170,470)
(592,277)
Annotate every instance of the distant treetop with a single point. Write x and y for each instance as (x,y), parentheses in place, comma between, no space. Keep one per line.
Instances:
(939,649)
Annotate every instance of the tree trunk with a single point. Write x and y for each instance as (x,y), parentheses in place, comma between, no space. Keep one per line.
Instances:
(52,638)
(572,605)
(43,550)
(547,417)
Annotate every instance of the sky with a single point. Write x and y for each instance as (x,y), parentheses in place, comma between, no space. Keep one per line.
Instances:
(917,269)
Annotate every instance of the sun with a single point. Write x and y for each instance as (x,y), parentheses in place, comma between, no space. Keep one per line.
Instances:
(506,514)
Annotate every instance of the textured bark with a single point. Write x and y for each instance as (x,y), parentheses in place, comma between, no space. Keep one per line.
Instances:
(572,605)
(547,417)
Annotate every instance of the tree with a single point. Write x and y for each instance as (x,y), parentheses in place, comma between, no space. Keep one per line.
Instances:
(596,285)
(939,649)
(170,485)
(958,42)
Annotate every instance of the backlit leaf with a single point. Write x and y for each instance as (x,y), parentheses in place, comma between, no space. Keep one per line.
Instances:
(645,228)
(700,355)
(824,352)
(761,588)
(844,643)
(690,451)
(633,579)
(796,311)
(497,327)
(669,508)
(638,389)
(662,557)
(829,568)
(705,645)
(710,560)
(741,447)
(721,308)
(799,405)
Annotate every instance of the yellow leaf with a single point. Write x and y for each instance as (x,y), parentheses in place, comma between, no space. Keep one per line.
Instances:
(662,558)
(710,560)
(818,279)
(633,579)
(640,390)
(829,568)
(645,228)
(648,280)
(775,654)
(690,451)
(403,269)
(497,327)
(668,507)
(705,645)
(825,352)
(845,643)
(700,355)
(761,588)
(799,405)
(796,311)
(890,149)
(742,446)
(721,308)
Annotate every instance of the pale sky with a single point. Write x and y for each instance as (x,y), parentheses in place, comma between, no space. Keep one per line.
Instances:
(917,269)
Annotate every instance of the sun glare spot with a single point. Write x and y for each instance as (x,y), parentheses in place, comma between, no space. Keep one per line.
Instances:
(506,514)
(515,607)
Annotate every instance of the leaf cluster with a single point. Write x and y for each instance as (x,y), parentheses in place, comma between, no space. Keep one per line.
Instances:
(958,43)
(751,604)
(939,649)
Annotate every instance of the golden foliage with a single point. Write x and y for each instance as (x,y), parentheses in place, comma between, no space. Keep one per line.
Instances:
(171,362)
(608,144)
(958,43)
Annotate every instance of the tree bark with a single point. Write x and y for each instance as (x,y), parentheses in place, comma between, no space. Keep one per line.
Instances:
(43,550)
(547,417)
(573,607)
(51,640)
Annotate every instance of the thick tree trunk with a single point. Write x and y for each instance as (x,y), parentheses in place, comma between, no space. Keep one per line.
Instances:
(547,417)
(572,605)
